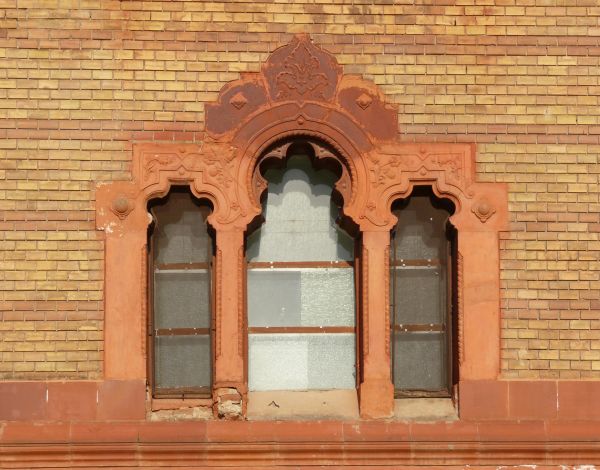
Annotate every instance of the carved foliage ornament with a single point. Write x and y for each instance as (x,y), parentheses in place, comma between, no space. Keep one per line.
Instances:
(301,75)
(301,71)
(214,159)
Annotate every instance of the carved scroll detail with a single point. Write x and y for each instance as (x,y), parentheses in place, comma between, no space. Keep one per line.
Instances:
(386,169)
(383,171)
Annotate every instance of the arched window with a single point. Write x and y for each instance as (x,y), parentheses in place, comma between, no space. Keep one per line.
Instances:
(301,298)
(421,296)
(181,253)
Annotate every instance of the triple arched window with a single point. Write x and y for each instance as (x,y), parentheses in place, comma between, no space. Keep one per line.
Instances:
(301,295)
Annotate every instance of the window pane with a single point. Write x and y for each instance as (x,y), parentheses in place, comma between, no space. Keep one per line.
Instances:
(181,234)
(274,298)
(299,218)
(421,230)
(182,361)
(182,299)
(301,361)
(421,295)
(328,297)
(301,297)
(419,361)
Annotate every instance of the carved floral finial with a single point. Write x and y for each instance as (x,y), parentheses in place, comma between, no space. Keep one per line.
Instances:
(302,71)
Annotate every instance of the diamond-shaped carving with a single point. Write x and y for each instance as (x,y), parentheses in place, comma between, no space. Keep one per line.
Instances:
(364,101)
(238,100)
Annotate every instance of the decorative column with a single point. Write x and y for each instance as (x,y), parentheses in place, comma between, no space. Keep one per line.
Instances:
(230,383)
(376,390)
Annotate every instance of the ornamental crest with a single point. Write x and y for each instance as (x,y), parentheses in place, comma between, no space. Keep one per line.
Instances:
(301,75)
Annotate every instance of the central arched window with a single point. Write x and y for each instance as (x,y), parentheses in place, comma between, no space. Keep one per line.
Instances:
(301,296)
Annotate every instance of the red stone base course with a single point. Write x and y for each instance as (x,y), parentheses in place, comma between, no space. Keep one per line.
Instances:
(298,444)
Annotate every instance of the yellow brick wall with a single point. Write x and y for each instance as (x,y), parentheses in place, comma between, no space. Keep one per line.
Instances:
(80,80)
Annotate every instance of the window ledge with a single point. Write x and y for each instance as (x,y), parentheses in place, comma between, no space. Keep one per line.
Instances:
(303,405)
(425,409)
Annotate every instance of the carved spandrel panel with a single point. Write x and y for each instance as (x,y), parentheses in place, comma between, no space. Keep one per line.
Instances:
(215,161)
(209,168)
(449,171)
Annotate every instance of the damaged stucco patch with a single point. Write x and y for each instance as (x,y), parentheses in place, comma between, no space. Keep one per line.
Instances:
(228,403)
(182,414)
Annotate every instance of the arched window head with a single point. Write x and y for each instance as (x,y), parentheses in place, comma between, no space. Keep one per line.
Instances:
(181,253)
(421,277)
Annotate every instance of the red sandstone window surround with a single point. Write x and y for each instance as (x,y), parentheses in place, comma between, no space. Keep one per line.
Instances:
(350,116)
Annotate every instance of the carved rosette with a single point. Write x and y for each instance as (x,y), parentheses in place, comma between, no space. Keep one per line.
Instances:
(122,206)
(483,209)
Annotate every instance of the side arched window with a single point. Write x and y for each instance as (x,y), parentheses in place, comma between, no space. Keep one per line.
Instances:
(180,326)
(421,296)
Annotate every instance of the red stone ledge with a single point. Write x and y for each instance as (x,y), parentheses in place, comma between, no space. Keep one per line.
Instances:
(254,444)
(104,400)
(125,400)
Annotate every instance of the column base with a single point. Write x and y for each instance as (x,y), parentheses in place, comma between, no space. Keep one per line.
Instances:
(376,399)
